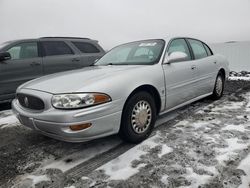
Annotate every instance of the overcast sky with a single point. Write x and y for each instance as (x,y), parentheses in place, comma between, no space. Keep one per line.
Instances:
(112,22)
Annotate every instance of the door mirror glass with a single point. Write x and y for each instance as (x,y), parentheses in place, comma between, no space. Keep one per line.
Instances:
(5,56)
(176,57)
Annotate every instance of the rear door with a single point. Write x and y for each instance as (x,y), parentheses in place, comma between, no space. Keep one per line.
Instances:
(205,65)
(180,77)
(25,64)
(58,56)
(88,52)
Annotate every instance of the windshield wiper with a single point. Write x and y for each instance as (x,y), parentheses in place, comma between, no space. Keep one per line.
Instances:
(110,64)
(117,64)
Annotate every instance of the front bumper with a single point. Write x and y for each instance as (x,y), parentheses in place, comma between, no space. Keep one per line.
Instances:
(105,120)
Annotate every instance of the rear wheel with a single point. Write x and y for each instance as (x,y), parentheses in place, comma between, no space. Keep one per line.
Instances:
(138,118)
(218,87)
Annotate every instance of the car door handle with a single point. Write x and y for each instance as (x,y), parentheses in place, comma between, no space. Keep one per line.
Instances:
(75,60)
(193,67)
(35,64)
(215,62)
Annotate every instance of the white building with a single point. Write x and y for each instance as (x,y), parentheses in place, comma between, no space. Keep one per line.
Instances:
(238,54)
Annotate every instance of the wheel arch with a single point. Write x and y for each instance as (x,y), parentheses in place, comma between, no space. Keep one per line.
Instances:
(223,72)
(152,91)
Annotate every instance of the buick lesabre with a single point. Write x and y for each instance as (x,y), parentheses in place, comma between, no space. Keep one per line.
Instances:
(124,92)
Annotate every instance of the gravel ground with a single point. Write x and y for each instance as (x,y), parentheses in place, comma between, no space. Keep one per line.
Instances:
(202,146)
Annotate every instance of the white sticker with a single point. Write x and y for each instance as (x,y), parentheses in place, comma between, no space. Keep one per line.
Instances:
(148,44)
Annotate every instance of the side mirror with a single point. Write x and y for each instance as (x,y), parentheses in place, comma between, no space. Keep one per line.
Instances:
(176,57)
(5,56)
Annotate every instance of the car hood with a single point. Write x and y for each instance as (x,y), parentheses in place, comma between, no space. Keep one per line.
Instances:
(72,81)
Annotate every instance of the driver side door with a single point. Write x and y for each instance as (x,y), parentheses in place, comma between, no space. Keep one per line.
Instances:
(24,65)
(180,77)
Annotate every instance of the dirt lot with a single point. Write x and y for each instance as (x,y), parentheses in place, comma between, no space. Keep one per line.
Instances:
(205,144)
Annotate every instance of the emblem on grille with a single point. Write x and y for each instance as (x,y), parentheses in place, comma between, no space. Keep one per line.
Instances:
(26,101)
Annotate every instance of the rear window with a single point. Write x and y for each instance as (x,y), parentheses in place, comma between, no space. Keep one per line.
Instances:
(85,47)
(198,49)
(52,48)
(209,51)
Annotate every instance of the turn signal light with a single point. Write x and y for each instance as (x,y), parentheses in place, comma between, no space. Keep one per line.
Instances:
(80,127)
(101,98)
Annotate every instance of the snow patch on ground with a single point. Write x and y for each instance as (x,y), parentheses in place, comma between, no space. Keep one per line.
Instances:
(8,120)
(201,124)
(243,75)
(233,146)
(210,138)
(196,179)
(240,128)
(245,166)
(164,179)
(165,150)
(37,179)
(239,78)
(121,167)
(182,123)
(77,158)
(229,106)
(84,178)
(210,169)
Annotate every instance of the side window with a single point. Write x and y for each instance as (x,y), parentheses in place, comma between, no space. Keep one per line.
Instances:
(209,51)
(52,48)
(198,49)
(179,45)
(85,47)
(24,50)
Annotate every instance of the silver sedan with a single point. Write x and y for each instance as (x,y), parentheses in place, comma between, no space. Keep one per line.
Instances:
(123,92)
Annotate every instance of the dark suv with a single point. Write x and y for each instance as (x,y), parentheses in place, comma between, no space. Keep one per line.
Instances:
(23,60)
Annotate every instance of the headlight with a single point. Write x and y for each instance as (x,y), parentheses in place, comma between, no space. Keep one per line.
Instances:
(79,100)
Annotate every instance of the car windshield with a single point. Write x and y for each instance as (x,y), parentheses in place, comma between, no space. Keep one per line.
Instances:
(145,52)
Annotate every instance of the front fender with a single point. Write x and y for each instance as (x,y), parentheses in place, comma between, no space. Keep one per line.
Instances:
(120,86)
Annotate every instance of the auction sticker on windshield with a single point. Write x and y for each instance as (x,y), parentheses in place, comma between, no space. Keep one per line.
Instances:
(148,44)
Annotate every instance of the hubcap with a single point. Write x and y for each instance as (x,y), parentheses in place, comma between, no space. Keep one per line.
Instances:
(219,85)
(141,117)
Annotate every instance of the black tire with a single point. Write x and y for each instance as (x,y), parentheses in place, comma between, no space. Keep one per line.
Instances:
(127,132)
(217,94)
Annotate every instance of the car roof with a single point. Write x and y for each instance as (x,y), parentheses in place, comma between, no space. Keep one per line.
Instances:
(52,38)
(166,39)
(171,37)
(64,38)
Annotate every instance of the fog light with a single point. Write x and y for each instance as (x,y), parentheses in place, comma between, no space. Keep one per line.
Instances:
(80,127)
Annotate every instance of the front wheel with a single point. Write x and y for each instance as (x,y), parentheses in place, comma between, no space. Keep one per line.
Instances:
(218,87)
(138,118)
